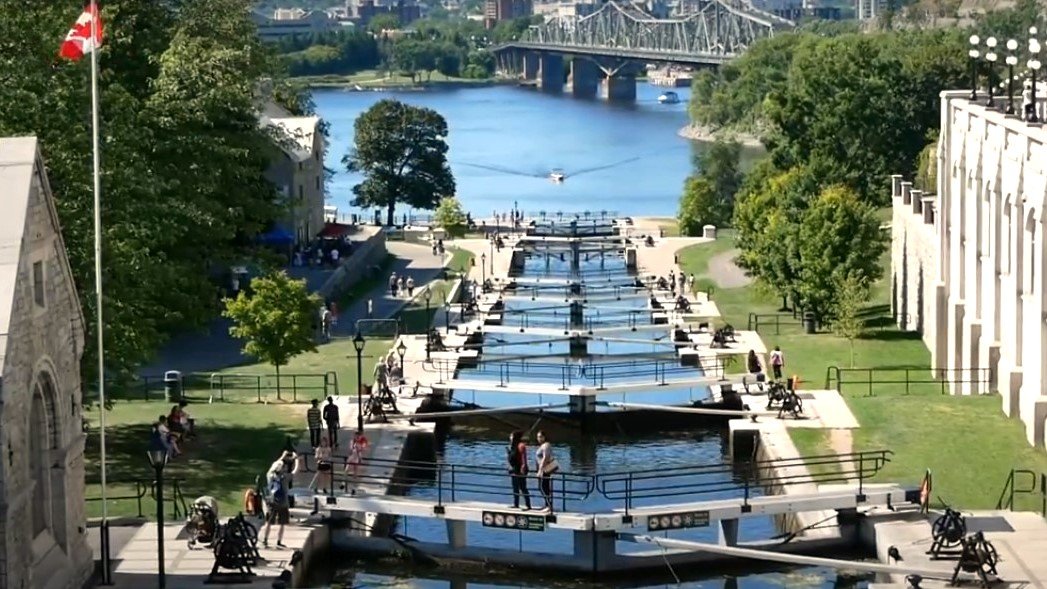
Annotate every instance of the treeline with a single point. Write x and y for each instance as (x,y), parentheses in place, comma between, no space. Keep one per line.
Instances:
(183,156)
(457,48)
(839,112)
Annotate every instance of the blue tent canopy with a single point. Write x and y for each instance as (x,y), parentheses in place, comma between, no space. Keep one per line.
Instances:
(277,236)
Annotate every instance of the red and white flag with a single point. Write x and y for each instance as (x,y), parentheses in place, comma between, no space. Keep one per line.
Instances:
(85,36)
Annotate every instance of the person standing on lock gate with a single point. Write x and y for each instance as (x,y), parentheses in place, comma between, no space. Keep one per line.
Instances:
(545,467)
(312,419)
(777,362)
(330,416)
(516,455)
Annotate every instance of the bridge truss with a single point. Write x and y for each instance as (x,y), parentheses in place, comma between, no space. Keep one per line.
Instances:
(719,30)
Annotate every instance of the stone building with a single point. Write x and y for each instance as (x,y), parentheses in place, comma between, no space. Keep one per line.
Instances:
(968,263)
(298,170)
(44,542)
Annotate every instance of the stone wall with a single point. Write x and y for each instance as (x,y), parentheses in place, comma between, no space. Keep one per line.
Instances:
(915,255)
(42,441)
(366,253)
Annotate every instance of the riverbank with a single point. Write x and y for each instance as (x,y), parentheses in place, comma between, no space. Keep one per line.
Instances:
(707,134)
(374,80)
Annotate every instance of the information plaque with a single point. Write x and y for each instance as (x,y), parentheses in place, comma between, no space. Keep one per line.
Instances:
(514,521)
(678,521)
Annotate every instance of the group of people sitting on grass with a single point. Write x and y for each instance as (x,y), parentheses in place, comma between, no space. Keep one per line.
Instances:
(172,429)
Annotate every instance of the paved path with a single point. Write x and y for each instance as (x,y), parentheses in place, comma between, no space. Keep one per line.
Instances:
(216,349)
(725,273)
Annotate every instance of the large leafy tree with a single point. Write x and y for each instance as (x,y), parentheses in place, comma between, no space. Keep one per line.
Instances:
(708,196)
(166,78)
(402,152)
(451,217)
(839,239)
(276,321)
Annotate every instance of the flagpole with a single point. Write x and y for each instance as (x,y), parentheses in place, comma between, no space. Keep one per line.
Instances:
(96,168)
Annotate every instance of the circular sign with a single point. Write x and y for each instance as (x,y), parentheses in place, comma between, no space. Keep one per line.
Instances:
(521,522)
(653,523)
(488,519)
(688,520)
(510,520)
(677,520)
(499,520)
(665,521)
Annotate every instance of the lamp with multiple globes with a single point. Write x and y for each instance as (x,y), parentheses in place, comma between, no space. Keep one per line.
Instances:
(990,59)
(974,54)
(1011,61)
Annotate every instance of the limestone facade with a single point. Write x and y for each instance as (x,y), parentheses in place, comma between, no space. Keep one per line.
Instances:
(43,537)
(970,260)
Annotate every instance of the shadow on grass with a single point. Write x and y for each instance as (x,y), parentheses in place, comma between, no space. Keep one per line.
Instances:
(222,461)
(889,335)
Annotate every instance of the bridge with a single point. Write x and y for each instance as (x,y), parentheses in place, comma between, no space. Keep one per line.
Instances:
(619,38)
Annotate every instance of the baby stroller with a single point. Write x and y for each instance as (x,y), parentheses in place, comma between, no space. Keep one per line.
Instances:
(202,524)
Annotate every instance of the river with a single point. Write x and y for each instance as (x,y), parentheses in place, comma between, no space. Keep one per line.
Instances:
(524,131)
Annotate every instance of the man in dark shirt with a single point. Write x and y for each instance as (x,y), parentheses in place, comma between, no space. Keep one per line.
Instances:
(331,419)
(312,419)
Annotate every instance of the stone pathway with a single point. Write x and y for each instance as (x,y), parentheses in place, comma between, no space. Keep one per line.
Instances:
(725,273)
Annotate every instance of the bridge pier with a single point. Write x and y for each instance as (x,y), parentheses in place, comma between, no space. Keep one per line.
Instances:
(585,78)
(619,87)
(551,74)
(728,532)
(530,66)
(596,548)
(456,534)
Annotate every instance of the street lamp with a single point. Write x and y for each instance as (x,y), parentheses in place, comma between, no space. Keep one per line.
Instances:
(1011,60)
(157,454)
(358,345)
(427,295)
(483,268)
(401,349)
(990,57)
(974,54)
(1034,66)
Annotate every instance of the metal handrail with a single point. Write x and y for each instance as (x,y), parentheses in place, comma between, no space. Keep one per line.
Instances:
(599,374)
(942,377)
(174,494)
(658,483)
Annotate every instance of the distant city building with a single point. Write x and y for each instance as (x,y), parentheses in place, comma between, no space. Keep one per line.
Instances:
(800,13)
(869,9)
(566,9)
(43,527)
(405,11)
(968,264)
(288,22)
(499,10)
(298,171)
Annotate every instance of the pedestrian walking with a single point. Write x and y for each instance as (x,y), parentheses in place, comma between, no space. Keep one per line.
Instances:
(312,419)
(392,284)
(326,319)
(516,455)
(331,419)
(545,467)
(410,287)
(278,500)
(400,286)
(777,362)
(357,449)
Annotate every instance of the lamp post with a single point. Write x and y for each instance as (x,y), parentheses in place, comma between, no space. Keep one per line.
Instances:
(1011,60)
(158,459)
(358,345)
(492,257)
(401,349)
(483,268)
(973,54)
(990,58)
(1034,66)
(427,295)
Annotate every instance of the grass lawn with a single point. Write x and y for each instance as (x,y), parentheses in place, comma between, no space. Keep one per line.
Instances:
(967,442)
(383,79)
(236,443)
(367,284)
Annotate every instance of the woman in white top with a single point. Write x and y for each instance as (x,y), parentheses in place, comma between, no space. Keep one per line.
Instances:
(545,466)
(324,477)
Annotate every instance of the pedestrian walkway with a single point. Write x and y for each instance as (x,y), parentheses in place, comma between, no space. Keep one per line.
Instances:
(215,349)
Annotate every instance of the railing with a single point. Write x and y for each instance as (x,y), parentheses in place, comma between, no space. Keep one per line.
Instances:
(1013,487)
(600,374)
(142,487)
(764,322)
(221,386)
(696,481)
(913,379)
(461,482)
(450,483)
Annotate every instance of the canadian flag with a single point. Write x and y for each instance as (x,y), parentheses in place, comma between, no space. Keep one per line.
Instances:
(85,36)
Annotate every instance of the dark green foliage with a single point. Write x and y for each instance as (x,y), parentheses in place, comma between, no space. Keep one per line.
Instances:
(708,197)
(183,156)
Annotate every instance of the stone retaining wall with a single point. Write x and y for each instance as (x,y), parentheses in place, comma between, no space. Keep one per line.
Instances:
(367,253)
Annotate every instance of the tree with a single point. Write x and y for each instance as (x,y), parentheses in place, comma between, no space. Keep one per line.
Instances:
(402,152)
(276,322)
(851,293)
(383,22)
(451,217)
(839,236)
(699,205)
(708,197)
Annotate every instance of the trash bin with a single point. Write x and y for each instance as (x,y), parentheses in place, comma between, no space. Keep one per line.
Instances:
(172,386)
(809,325)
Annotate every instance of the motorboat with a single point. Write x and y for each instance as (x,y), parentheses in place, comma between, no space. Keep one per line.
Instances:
(669,98)
(557,176)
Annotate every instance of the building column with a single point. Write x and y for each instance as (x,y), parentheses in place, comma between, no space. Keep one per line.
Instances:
(585,78)
(619,87)
(530,66)
(551,75)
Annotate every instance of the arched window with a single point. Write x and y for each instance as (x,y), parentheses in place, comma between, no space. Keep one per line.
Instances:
(39,461)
